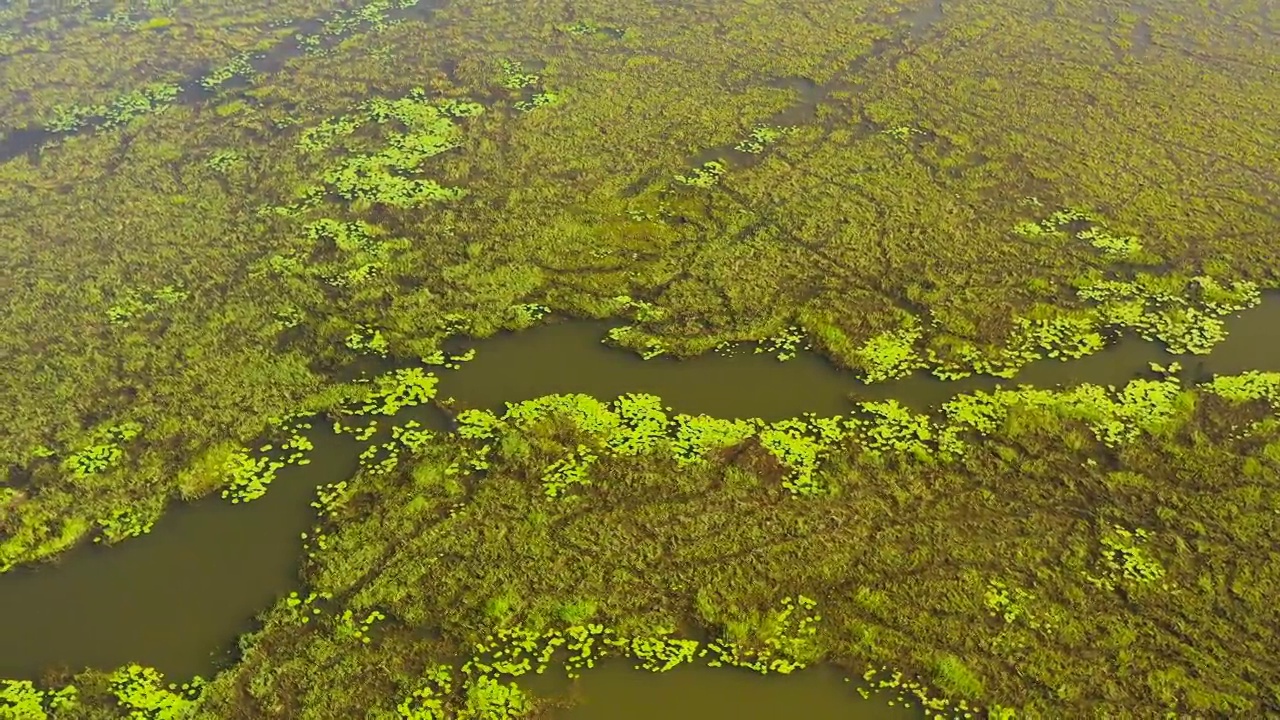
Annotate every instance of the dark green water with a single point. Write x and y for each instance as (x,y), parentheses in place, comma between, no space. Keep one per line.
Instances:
(177,598)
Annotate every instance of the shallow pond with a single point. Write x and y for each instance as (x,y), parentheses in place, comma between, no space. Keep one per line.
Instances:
(177,598)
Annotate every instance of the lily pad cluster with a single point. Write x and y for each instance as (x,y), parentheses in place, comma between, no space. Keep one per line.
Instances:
(103,451)
(704,176)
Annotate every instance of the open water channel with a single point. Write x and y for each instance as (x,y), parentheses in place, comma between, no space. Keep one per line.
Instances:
(177,598)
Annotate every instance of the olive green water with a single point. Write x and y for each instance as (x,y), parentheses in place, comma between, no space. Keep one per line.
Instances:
(614,690)
(177,598)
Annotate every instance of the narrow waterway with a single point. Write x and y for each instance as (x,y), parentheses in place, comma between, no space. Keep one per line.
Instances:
(615,690)
(177,598)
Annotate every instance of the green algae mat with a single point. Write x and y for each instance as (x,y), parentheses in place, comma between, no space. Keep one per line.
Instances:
(255,245)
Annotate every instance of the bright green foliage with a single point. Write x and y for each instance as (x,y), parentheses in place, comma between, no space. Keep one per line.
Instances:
(526,315)
(1246,387)
(903,132)
(1125,559)
(786,343)
(368,340)
(514,77)
(697,436)
(478,424)
(388,394)
(488,699)
(538,100)
(660,654)
(643,424)
(1142,405)
(139,690)
(955,678)
(124,523)
(347,237)
(1013,605)
(384,177)
(303,610)
(103,452)
(629,336)
(584,412)
(348,627)
(895,428)
(150,98)
(1188,322)
(784,644)
(22,700)
(132,304)
(427,702)
(568,471)
(761,137)
(237,66)
(248,476)
(330,498)
(891,355)
(704,177)
(1113,247)
(790,443)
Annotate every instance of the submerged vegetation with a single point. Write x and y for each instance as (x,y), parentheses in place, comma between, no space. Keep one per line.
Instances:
(219,216)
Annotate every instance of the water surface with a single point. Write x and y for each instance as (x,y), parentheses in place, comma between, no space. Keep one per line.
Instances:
(614,690)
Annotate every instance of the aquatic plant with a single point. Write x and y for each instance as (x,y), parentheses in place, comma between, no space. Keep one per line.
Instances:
(124,523)
(368,340)
(488,699)
(538,100)
(629,336)
(568,471)
(428,701)
(240,66)
(893,427)
(248,476)
(1248,386)
(514,76)
(705,176)
(786,646)
(150,98)
(903,132)
(304,610)
(1125,560)
(139,690)
(1113,247)
(132,303)
(22,700)
(103,451)
(661,654)
(786,343)
(697,436)
(389,393)
(891,355)
(348,627)
(643,424)
(787,441)
(761,137)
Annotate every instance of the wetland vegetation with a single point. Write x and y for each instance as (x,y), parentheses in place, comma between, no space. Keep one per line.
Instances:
(237,237)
